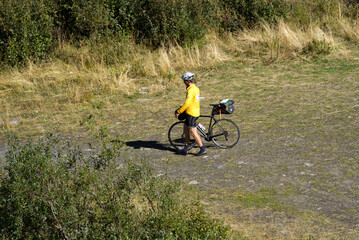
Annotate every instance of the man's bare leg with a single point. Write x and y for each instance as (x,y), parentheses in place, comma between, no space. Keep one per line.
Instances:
(186,134)
(196,136)
(198,139)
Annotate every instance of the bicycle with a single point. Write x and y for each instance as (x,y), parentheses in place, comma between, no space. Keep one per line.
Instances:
(224,133)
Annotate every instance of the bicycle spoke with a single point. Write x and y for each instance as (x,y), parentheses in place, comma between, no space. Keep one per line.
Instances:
(176,136)
(225,133)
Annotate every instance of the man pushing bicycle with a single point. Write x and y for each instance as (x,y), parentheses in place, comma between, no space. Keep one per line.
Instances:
(191,111)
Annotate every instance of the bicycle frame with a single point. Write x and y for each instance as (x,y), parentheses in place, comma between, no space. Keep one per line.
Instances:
(208,136)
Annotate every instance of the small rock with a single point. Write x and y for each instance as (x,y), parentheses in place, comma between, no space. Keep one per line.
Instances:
(143,100)
(71,73)
(193,182)
(216,156)
(205,156)
(143,90)
(117,123)
(240,163)
(281,184)
(308,164)
(14,122)
(219,167)
(350,117)
(87,150)
(302,173)
(284,231)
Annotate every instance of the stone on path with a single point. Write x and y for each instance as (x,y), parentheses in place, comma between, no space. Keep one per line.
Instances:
(14,122)
(143,90)
(193,182)
(143,100)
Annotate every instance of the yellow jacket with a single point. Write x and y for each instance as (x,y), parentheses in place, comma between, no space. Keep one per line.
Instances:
(191,105)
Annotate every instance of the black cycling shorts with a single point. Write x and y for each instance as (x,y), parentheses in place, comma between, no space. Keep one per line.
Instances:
(191,121)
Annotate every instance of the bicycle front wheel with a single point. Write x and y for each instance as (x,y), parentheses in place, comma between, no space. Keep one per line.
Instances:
(176,136)
(225,133)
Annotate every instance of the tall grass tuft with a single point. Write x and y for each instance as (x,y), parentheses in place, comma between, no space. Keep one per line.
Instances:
(349,29)
(284,40)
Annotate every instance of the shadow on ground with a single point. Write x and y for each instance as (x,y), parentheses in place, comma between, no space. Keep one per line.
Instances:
(150,144)
(155,145)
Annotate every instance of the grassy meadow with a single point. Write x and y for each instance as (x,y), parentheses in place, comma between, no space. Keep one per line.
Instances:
(293,174)
(60,91)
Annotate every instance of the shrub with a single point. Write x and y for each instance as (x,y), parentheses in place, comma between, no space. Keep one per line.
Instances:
(83,18)
(53,190)
(316,48)
(159,21)
(248,13)
(29,29)
(319,11)
(25,30)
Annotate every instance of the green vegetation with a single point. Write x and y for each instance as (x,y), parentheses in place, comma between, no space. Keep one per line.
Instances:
(52,190)
(290,66)
(33,29)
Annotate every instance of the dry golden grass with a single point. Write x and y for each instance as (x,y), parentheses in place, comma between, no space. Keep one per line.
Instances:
(284,40)
(80,74)
(83,74)
(82,71)
(349,29)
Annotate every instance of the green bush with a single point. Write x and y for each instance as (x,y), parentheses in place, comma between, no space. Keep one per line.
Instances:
(53,190)
(248,13)
(316,48)
(30,29)
(318,11)
(83,18)
(160,21)
(25,30)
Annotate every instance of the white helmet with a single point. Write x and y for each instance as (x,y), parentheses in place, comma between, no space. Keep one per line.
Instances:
(188,76)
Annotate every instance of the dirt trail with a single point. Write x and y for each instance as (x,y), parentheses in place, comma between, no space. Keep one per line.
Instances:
(317,183)
(285,177)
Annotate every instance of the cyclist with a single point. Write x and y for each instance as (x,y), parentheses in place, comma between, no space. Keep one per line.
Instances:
(191,110)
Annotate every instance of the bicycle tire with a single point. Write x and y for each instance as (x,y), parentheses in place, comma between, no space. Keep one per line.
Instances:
(176,136)
(225,133)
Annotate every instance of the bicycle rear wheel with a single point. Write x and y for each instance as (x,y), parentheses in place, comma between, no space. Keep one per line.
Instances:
(176,136)
(225,133)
